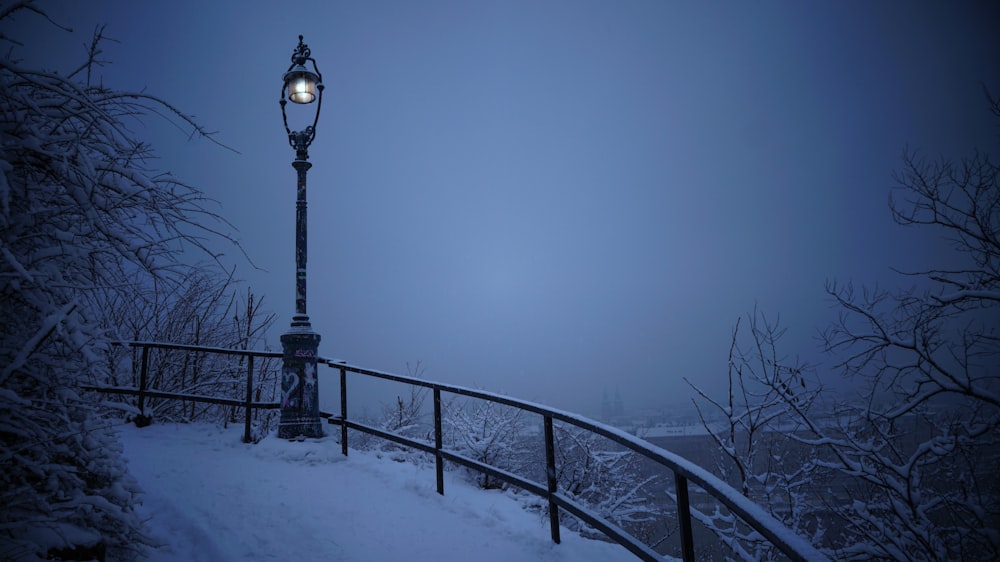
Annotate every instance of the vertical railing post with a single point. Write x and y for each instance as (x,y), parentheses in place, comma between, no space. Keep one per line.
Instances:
(343,410)
(438,460)
(143,419)
(246,425)
(684,517)
(550,477)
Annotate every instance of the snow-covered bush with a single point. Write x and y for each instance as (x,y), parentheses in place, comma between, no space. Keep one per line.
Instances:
(80,213)
(404,416)
(606,478)
(490,433)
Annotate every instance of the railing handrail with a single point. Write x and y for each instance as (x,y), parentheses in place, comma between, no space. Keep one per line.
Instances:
(791,544)
(197,348)
(762,521)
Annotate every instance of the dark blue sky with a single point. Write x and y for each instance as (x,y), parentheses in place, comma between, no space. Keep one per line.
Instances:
(551,199)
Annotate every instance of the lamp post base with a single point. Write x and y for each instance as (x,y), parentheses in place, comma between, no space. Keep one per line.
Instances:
(299,384)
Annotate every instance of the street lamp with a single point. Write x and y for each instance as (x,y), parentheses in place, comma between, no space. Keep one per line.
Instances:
(299,384)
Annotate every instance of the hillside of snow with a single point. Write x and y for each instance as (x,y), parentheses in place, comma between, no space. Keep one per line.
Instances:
(209,497)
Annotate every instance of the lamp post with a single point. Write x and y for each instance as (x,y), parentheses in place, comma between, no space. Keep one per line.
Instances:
(299,384)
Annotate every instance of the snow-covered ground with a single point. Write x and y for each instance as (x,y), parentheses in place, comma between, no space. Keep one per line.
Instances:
(209,497)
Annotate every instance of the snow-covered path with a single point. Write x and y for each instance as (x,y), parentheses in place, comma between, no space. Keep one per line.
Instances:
(211,498)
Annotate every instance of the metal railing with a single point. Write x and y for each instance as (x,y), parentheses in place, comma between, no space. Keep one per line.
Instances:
(143,391)
(684,471)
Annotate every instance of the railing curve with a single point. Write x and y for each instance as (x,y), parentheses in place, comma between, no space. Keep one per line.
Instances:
(790,544)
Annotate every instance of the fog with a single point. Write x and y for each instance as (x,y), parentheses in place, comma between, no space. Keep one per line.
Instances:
(557,199)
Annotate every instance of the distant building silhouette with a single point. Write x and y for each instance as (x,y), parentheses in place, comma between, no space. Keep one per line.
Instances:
(612,410)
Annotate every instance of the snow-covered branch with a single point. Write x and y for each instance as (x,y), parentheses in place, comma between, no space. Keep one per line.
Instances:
(85,226)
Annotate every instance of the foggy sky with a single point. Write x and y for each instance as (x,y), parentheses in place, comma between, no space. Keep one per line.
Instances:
(553,199)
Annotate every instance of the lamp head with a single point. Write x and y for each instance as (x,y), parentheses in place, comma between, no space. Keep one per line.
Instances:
(301,84)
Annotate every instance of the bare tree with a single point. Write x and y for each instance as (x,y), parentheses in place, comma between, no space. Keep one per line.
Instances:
(250,323)
(755,437)
(905,467)
(404,417)
(203,309)
(923,442)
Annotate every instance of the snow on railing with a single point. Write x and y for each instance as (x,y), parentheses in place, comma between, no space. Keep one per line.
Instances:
(785,540)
